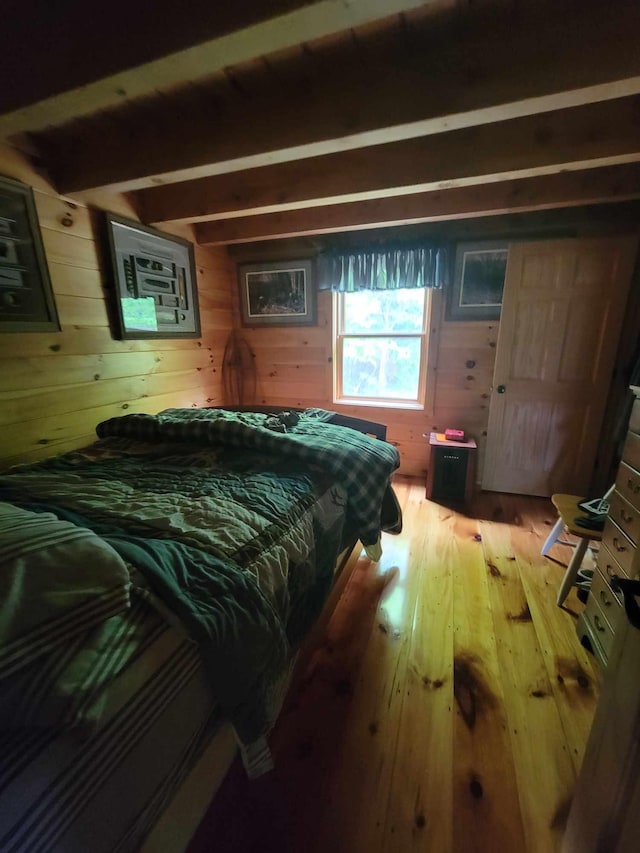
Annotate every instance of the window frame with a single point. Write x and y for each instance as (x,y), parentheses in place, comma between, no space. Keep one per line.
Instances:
(339,337)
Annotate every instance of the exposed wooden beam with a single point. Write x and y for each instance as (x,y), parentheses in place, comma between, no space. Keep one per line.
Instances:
(553,223)
(569,189)
(58,73)
(434,81)
(601,134)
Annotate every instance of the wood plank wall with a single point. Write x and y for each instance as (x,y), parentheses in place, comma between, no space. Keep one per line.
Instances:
(294,365)
(55,387)
(294,368)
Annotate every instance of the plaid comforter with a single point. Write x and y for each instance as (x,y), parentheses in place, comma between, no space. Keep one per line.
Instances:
(362,465)
(235,528)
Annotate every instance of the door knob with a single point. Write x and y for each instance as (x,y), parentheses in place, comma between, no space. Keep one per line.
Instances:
(501,389)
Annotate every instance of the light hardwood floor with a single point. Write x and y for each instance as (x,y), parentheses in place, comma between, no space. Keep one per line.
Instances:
(444,706)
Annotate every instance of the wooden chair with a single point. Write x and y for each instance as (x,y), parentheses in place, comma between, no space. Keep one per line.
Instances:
(568,511)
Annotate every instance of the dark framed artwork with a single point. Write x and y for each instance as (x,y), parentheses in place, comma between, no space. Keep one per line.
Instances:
(281,293)
(26,296)
(478,281)
(154,282)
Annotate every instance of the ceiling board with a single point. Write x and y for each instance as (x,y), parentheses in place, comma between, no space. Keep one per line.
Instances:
(326,117)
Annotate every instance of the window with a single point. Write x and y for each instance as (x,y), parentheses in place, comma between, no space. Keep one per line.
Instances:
(380,347)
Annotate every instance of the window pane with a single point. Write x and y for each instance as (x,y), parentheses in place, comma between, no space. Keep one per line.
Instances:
(383,311)
(381,367)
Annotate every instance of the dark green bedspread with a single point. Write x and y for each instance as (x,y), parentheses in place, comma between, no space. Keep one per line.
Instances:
(239,545)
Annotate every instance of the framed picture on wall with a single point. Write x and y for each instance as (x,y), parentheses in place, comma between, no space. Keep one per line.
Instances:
(280,293)
(154,282)
(26,295)
(478,281)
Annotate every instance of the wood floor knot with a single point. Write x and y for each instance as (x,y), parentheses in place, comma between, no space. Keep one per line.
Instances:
(471,693)
(539,694)
(434,685)
(475,786)
(494,571)
(570,672)
(523,616)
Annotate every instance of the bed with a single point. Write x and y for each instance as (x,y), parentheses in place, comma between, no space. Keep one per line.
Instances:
(155,588)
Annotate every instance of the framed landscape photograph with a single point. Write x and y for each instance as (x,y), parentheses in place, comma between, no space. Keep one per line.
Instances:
(478,281)
(280,293)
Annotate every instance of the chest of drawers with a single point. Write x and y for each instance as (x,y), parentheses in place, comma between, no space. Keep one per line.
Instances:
(619,552)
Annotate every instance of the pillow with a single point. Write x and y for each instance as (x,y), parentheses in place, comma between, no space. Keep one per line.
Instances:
(57,580)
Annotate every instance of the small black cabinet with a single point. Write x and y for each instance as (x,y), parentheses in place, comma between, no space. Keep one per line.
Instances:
(451,469)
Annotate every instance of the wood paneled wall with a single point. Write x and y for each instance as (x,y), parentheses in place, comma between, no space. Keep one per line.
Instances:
(294,368)
(55,387)
(294,364)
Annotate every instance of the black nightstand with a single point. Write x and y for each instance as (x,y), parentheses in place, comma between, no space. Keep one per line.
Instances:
(451,469)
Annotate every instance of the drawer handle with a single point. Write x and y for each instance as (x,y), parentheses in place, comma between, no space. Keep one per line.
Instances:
(610,570)
(635,487)
(619,548)
(604,599)
(597,623)
(626,518)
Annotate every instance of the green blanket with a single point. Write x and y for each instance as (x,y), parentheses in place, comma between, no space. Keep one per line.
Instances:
(240,547)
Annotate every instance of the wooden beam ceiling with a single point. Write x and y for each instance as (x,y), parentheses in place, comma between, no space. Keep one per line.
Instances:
(567,189)
(593,135)
(400,85)
(323,116)
(83,59)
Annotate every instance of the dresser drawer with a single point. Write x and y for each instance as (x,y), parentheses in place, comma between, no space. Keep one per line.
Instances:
(628,484)
(625,516)
(619,545)
(631,451)
(634,422)
(608,601)
(599,625)
(608,564)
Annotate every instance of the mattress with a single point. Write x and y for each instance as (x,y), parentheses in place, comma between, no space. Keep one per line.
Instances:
(100,787)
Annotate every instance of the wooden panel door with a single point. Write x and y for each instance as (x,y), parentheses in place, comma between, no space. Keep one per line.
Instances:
(562,312)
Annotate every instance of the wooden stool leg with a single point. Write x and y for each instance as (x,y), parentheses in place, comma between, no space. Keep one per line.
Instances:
(572,570)
(556,530)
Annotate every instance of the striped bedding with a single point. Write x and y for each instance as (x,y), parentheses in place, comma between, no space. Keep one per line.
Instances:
(47,595)
(102,788)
